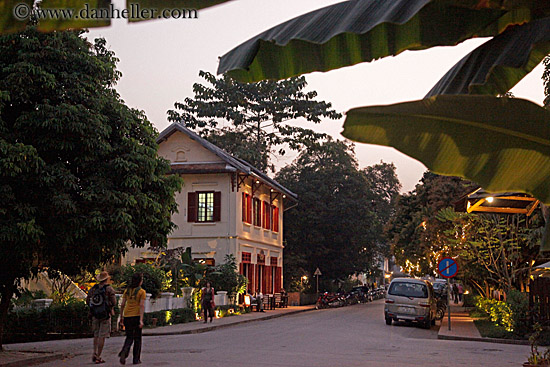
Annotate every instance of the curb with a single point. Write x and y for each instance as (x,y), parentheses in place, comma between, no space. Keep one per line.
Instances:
(484,340)
(33,360)
(211,328)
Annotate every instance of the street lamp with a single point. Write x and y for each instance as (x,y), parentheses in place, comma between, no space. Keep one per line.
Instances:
(302,280)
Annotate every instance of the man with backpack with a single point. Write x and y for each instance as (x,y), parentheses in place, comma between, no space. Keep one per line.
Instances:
(101,301)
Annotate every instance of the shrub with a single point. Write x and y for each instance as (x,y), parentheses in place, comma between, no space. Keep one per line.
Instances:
(154,279)
(469,300)
(225,277)
(57,321)
(518,303)
(498,311)
(169,317)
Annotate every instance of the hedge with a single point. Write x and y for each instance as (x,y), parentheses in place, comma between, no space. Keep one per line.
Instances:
(169,317)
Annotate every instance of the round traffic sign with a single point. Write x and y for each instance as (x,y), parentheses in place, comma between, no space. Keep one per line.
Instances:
(447,267)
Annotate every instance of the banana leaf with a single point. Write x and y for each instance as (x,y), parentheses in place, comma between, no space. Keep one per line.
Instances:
(503,144)
(497,65)
(357,31)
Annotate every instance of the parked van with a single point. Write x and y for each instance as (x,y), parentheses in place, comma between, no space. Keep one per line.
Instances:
(410,300)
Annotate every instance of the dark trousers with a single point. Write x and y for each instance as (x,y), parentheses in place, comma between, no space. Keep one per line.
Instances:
(207,309)
(133,335)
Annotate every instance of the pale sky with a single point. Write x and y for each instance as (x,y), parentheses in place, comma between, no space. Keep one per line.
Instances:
(160,60)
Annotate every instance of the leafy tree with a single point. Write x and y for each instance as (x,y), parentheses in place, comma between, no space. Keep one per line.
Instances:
(250,120)
(155,280)
(332,227)
(384,187)
(414,231)
(225,277)
(80,178)
(503,247)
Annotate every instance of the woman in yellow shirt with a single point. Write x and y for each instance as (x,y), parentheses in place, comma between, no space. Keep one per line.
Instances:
(132,309)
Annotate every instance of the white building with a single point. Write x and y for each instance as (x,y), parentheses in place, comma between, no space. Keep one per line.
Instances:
(226,206)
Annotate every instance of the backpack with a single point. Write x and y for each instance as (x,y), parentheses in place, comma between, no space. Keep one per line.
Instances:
(99,304)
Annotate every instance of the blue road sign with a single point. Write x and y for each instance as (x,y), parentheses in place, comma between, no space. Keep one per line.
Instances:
(447,267)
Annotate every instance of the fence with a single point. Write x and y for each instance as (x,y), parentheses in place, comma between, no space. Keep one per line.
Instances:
(539,299)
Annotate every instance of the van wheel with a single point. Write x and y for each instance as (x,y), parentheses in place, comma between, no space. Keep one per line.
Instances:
(388,320)
(427,324)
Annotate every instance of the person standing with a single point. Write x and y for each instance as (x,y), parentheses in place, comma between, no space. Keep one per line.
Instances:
(455,293)
(460,292)
(101,300)
(132,310)
(207,302)
(259,300)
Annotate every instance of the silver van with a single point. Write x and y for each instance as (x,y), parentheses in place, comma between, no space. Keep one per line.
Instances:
(410,300)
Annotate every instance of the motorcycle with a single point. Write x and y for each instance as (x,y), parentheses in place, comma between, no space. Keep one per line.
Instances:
(326,300)
(441,305)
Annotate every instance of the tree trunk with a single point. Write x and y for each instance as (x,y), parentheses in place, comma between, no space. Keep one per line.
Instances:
(6,294)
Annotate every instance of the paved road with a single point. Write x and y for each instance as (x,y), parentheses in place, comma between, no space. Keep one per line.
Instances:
(350,336)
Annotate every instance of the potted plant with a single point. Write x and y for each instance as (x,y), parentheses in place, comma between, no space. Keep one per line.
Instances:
(537,358)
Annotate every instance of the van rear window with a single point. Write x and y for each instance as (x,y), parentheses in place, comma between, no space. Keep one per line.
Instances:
(414,290)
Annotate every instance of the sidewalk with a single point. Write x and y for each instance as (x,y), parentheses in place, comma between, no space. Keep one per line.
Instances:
(201,327)
(25,357)
(463,328)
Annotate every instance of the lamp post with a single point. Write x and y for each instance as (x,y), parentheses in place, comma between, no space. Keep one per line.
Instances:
(302,280)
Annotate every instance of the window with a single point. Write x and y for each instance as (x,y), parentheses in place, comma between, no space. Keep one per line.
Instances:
(203,206)
(266,215)
(247,208)
(405,289)
(257,208)
(275,219)
(206,207)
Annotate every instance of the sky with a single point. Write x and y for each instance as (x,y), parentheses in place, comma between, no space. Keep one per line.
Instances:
(160,61)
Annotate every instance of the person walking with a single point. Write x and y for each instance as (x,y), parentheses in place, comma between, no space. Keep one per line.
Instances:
(132,310)
(460,292)
(455,293)
(207,302)
(101,300)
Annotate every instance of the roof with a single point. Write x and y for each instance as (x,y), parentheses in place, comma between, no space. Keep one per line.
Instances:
(235,163)
(504,202)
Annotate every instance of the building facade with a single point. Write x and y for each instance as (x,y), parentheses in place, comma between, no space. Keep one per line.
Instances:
(226,206)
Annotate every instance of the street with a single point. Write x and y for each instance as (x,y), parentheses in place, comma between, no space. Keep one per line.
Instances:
(349,336)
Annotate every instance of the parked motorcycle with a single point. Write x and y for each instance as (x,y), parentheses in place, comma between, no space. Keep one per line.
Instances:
(326,300)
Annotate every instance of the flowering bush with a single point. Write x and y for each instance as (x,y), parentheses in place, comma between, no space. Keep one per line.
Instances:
(499,312)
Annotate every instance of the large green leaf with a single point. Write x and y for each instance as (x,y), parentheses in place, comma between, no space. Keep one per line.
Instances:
(356,31)
(497,65)
(503,144)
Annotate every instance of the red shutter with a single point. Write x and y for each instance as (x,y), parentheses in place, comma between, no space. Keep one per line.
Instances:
(241,268)
(275,219)
(268,279)
(251,278)
(278,279)
(249,209)
(263,214)
(269,215)
(264,283)
(192,207)
(217,206)
(244,207)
